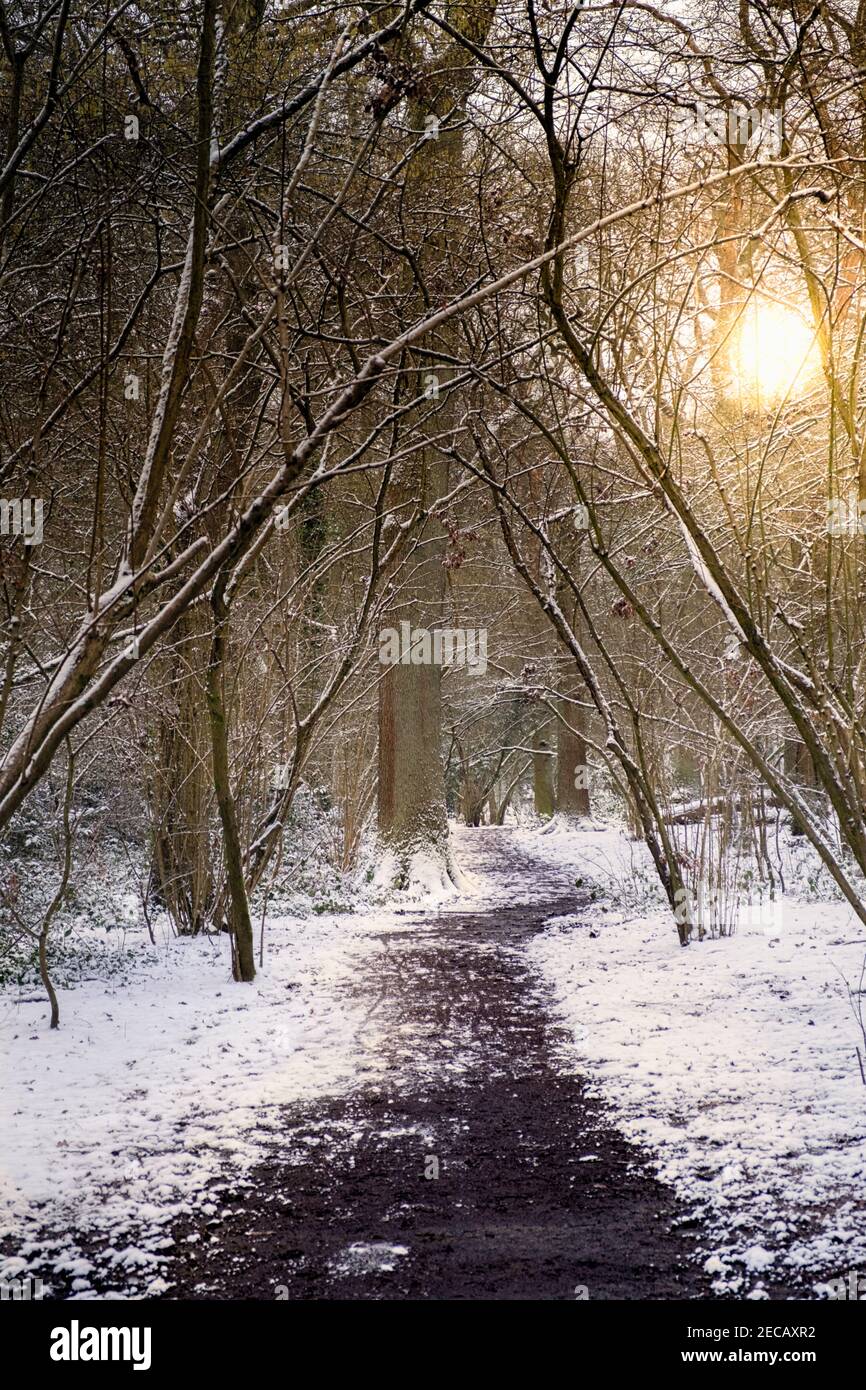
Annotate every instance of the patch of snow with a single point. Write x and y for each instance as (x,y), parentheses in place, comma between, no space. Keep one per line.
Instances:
(374,1258)
(757,1258)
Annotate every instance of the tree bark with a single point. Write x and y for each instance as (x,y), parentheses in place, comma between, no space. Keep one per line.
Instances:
(543,779)
(412,815)
(239,921)
(572,770)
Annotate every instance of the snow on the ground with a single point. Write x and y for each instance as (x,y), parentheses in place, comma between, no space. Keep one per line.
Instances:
(733,1060)
(162,1081)
(428,881)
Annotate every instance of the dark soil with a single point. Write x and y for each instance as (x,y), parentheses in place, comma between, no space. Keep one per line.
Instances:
(537,1195)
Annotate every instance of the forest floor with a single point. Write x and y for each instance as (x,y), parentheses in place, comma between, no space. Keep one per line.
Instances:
(529,1091)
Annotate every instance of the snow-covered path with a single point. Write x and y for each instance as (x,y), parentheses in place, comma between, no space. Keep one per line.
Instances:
(475,1166)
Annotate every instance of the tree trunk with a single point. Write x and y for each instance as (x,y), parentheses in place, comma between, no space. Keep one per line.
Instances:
(572,770)
(542,778)
(180,794)
(412,814)
(413,818)
(239,922)
(46,979)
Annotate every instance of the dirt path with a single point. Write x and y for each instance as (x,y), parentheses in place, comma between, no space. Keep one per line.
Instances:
(477,1168)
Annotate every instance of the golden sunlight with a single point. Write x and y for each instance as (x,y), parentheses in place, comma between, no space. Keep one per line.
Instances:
(773,351)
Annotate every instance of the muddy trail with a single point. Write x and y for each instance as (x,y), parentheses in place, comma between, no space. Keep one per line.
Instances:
(476,1167)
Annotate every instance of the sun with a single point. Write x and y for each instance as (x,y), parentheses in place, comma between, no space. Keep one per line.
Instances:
(773,352)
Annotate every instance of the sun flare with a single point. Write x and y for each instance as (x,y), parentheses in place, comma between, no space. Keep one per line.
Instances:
(774,352)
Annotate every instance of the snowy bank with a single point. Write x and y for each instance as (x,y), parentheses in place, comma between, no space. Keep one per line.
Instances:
(734,1061)
(162,1082)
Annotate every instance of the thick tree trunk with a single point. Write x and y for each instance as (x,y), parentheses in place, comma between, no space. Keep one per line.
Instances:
(413,820)
(572,770)
(542,778)
(412,815)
